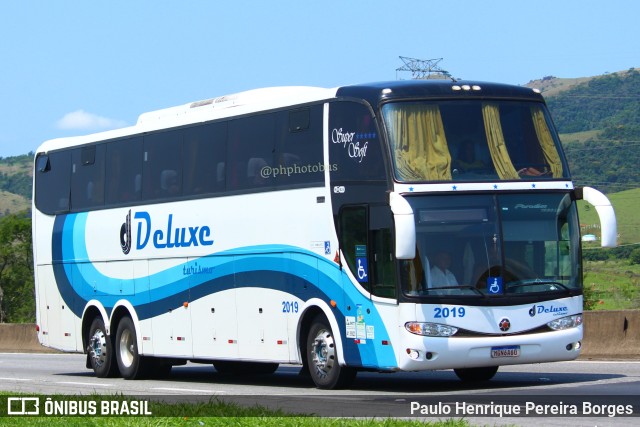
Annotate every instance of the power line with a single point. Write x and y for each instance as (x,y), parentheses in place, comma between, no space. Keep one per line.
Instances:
(421,69)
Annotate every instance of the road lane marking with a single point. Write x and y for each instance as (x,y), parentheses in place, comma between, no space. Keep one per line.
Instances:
(88,384)
(189,390)
(16,379)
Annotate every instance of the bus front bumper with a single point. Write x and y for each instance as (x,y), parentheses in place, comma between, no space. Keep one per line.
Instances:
(426,353)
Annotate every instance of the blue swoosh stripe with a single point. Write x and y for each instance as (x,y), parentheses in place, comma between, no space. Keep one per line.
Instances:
(287,269)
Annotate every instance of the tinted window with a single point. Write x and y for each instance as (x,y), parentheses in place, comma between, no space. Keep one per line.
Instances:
(354,143)
(251,147)
(124,171)
(162,166)
(354,242)
(87,179)
(203,155)
(52,182)
(472,141)
(298,156)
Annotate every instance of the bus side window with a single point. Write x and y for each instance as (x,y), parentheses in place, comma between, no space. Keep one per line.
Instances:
(162,169)
(298,157)
(53,181)
(250,152)
(124,171)
(384,267)
(87,184)
(354,242)
(203,155)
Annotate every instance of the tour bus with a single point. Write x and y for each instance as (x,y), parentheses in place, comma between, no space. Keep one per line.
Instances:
(397,226)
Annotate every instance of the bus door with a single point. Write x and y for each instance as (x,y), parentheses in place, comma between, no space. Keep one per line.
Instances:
(366,246)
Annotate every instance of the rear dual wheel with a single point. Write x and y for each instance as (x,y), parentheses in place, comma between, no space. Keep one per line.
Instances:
(100,350)
(106,358)
(130,363)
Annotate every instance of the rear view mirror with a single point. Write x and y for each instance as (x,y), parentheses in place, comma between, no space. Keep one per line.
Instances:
(608,223)
(405,227)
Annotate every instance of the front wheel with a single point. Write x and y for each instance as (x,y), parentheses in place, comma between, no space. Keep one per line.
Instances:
(100,350)
(476,374)
(322,358)
(130,363)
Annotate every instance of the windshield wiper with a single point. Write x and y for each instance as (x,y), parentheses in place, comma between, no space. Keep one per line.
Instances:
(473,288)
(536,282)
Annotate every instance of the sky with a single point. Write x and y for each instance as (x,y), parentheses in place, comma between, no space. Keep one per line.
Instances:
(78,67)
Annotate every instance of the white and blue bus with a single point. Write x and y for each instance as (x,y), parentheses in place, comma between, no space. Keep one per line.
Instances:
(399,226)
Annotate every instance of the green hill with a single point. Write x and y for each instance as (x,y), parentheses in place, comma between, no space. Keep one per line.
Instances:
(16,181)
(598,119)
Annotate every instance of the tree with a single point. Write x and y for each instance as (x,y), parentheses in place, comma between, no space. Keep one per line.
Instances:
(17,299)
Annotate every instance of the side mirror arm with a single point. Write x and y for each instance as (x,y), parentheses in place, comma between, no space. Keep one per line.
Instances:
(608,223)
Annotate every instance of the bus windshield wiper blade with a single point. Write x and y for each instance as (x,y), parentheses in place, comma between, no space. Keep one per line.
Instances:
(535,282)
(473,288)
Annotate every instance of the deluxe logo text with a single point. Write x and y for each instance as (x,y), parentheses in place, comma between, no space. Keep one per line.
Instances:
(165,237)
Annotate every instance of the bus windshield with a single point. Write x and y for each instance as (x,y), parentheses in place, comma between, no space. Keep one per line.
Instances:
(493,245)
(472,141)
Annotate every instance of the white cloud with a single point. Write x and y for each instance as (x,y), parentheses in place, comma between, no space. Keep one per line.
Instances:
(82,120)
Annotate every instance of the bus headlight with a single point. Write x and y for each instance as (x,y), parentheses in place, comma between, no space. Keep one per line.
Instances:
(430,329)
(566,322)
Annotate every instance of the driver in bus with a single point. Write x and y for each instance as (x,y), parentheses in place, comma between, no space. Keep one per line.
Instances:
(441,276)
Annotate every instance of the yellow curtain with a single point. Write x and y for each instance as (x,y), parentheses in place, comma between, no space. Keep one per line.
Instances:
(546,142)
(420,150)
(497,147)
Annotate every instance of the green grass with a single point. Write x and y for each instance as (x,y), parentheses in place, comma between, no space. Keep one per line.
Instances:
(199,415)
(579,137)
(611,285)
(220,421)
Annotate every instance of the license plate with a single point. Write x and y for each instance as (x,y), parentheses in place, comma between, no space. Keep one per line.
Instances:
(506,351)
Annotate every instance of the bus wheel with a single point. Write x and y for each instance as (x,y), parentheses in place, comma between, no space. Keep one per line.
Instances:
(476,374)
(130,363)
(322,358)
(100,350)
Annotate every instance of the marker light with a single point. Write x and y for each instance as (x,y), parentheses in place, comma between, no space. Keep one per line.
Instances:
(430,329)
(566,322)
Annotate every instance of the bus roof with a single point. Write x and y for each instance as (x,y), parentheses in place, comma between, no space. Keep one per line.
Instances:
(279,97)
(199,111)
(376,93)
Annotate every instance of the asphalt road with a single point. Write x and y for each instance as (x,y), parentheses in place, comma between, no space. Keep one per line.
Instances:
(602,384)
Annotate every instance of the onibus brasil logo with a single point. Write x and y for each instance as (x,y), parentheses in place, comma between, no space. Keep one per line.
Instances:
(166,237)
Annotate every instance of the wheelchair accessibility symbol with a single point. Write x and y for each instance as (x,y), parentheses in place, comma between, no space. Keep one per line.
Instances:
(494,285)
(361,273)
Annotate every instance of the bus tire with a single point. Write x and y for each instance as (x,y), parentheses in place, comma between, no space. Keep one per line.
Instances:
(476,374)
(322,357)
(130,363)
(100,350)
